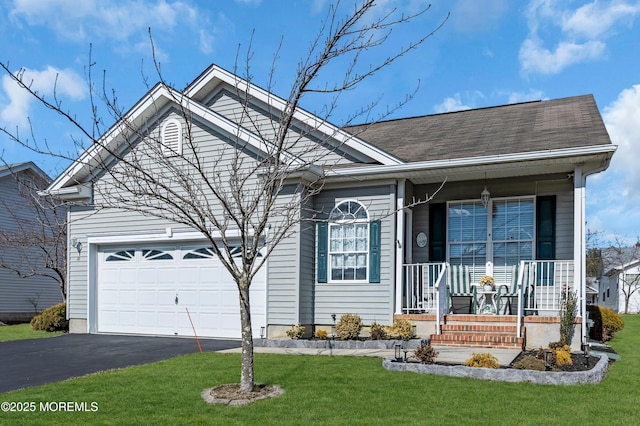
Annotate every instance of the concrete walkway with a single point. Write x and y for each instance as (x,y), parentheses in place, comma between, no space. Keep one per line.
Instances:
(446,354)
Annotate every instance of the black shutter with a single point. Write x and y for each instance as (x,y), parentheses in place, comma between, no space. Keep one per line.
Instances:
(437,232)
(546,228)
(322,251)
(545,238)
(374,251)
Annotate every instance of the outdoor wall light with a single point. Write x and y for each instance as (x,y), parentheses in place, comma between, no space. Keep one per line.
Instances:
(76,244)
(262,332)
(485,196)
(547,359)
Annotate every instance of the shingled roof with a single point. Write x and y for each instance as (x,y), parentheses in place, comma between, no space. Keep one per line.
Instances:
(532,126)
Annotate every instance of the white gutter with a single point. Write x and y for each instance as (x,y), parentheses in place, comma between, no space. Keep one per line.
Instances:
(474,161)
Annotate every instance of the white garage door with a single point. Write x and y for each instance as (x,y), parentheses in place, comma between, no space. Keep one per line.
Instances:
(148,290)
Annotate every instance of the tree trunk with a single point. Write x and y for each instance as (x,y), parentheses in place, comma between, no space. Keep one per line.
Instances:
(246,375)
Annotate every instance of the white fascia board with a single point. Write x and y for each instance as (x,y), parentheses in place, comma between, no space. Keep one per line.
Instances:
(474,161)
(300,115)
(70,193)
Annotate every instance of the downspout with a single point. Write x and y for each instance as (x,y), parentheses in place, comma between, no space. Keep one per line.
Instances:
(399,241)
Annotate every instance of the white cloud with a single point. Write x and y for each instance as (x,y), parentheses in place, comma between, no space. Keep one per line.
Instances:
(531,95)
(622,118)
(455,102)
(535,58)
(580,33)
(114,20)
(66,83)
(595,19)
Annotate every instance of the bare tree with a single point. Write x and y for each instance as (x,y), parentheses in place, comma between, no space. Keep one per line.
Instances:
(617,259)
(257,189)
(36,243)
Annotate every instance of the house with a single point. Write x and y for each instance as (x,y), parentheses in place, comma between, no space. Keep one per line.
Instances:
(22,297)
(619,282)
(507,199)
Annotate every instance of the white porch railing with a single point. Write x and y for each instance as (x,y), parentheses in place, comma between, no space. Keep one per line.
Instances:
(542,286)
(425,289)
(545,285)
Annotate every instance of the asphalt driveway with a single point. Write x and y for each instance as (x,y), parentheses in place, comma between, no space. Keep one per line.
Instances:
(25,363)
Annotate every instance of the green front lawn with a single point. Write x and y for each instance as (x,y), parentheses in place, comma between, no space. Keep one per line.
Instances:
(336,390)
(22,332)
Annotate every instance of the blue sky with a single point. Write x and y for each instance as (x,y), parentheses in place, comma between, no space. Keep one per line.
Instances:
(490,52)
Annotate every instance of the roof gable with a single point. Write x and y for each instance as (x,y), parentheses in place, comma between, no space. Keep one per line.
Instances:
(161,97)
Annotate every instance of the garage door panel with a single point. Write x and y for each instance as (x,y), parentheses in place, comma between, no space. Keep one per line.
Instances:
(138,295)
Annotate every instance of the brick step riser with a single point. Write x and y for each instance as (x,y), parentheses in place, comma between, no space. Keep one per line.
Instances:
(487,339)
(491,346)
(478,328)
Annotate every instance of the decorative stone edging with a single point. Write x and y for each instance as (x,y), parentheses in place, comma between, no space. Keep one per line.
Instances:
(595,375)
(333,344)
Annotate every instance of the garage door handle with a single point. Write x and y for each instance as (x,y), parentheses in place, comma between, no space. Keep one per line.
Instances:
(176,299)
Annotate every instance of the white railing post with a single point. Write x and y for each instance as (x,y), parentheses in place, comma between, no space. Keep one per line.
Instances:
(520,307)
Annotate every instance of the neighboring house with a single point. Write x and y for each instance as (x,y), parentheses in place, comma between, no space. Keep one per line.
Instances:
(512,206)
(21,298)
(619,282)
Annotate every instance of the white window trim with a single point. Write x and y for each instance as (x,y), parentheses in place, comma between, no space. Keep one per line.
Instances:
(366,221)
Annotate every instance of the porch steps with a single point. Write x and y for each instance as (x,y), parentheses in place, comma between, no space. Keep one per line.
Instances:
(479,331)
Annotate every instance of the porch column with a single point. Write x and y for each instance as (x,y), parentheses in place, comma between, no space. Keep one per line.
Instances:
(399,243)
(579,218)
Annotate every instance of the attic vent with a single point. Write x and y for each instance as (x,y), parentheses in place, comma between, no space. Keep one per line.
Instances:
(171,136)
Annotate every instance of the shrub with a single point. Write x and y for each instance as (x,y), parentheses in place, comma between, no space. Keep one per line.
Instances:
(349,327)
(378,331)
(555,346)
(484,360)
(425,353)
(52,319)
(295,332)
(321,334)
(530,362)
(563,356)
(606,322)
(401,329)
(568,317)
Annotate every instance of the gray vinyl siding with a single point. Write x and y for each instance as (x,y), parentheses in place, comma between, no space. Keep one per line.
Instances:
(299,141)
(21,297)
(283,278)
(557,185)
(372,301)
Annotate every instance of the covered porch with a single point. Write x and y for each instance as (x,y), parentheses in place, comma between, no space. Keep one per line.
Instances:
(445,299)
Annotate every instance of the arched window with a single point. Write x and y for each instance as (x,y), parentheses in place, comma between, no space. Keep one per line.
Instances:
(348,242)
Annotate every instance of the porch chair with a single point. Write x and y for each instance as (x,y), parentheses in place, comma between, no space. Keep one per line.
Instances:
(459,285)
(508,292)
